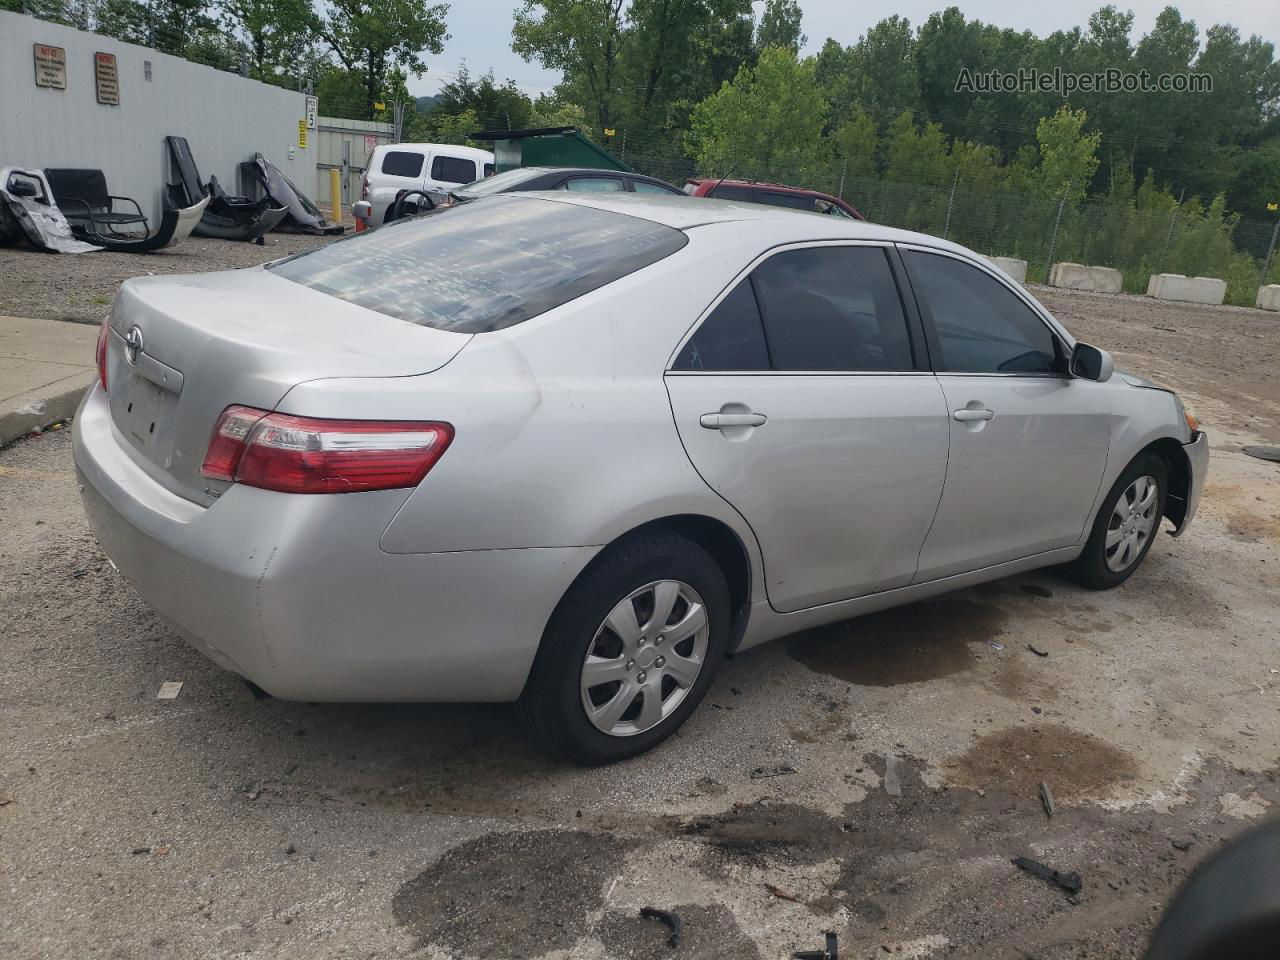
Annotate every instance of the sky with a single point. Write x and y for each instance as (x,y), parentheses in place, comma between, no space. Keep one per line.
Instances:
(481,33)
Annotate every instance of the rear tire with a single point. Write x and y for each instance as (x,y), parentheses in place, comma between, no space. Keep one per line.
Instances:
(649,675)
(1126,525)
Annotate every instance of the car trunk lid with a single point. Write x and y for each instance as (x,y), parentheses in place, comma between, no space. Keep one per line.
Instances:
(183,349)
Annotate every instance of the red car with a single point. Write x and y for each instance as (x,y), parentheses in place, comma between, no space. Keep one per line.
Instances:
(773,194)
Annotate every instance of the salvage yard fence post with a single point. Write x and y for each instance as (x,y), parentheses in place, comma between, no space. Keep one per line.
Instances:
(1271,249)
(1053,238)
(946,227)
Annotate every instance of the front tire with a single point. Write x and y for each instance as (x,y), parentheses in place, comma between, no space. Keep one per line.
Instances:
(630,650)
(1126,525)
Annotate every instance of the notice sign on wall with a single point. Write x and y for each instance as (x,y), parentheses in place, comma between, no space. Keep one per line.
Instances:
(51,66)
(107,78)
(302,134)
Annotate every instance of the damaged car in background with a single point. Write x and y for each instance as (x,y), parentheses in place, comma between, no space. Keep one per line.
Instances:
(571,450)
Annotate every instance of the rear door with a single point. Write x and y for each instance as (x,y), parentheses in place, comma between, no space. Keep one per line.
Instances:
(449,170)
(800,401)
(401,169)
(1028,441)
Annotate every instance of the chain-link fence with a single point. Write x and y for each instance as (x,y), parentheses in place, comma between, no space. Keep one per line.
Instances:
(993,218)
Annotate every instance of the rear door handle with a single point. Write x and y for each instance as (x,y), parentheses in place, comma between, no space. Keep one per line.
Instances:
(718,421)
(968,414)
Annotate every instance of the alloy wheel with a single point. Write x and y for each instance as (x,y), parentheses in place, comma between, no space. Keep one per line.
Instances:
(1132,523)
(644,658)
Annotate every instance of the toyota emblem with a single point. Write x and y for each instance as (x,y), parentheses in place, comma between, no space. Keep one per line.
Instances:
(133,344)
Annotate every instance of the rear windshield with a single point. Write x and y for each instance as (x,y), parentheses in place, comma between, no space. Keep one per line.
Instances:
(482,266)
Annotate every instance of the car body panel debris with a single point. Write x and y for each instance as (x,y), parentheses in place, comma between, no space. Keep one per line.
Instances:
(1069,882)
(1046,798)
(29,212)
(764,773)
(829,952)
(169,690)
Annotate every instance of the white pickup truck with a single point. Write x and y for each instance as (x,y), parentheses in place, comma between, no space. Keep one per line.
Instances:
(432,169)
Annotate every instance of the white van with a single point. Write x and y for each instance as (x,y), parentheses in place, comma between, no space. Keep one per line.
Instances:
(433,168)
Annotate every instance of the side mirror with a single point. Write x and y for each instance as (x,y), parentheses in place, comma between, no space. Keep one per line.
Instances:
(362,209)
(1090,363)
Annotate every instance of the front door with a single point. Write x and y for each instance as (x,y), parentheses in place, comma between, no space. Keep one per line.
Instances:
(1028,442)
(799,401)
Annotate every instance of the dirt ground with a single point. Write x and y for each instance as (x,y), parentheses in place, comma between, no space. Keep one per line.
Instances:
(873,778)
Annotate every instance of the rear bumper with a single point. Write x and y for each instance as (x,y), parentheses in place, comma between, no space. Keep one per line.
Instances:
(294,593)
(1197,452)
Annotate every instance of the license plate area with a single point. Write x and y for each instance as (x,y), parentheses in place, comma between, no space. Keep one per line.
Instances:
(145,414)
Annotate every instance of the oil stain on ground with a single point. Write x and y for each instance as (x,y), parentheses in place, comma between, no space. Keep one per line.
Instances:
(550,879)
(1074,764)
(922,641)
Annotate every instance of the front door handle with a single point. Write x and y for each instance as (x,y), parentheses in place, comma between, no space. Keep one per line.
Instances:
(969,414)
(718,421)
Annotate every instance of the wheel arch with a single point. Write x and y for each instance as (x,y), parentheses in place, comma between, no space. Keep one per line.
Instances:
(1177,497)
(716,537)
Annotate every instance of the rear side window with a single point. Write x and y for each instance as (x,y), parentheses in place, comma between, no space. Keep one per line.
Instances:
(982,326)
(484,265)
(731,338)
(402,163)
(452,170)
(833,308)
(644,186)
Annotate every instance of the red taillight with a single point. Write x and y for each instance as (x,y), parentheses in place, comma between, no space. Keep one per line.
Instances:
(290,454)
(100,354)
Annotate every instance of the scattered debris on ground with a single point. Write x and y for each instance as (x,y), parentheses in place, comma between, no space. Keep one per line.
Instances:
(671,919)
(1069,882)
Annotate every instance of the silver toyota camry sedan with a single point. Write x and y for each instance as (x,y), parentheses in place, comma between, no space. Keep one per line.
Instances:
(572,450)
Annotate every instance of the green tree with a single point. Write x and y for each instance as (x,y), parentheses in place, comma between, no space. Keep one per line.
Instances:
(854,144)
(275,34)
(780,26)
(1068,156)
(369,37)
(582,38)
(492,105)
(766,124)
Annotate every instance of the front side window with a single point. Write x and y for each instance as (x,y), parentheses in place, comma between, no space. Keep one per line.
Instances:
(982,326)
(402,163)
(485,265)
(731,338)
(833,308)
(453,170)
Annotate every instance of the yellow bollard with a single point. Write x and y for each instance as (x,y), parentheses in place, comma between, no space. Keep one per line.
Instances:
(335,194)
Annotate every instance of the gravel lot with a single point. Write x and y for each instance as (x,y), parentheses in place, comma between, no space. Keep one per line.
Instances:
(81,286)
(216,825)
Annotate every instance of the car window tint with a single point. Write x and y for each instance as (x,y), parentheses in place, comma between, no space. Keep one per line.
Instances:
(643,186)
(833,308)
(483,265)
(794,201)
(983,327)
(736,193)
(731,338)
(595,185)
(453,170)
(402,163)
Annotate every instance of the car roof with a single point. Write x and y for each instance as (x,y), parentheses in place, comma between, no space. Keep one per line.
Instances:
(785,225)
(760,185)
(456,150)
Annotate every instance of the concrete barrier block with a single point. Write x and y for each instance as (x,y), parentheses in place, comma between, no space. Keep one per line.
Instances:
(1174,286)
(1269,297)
(1076,276)
(1017,269)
